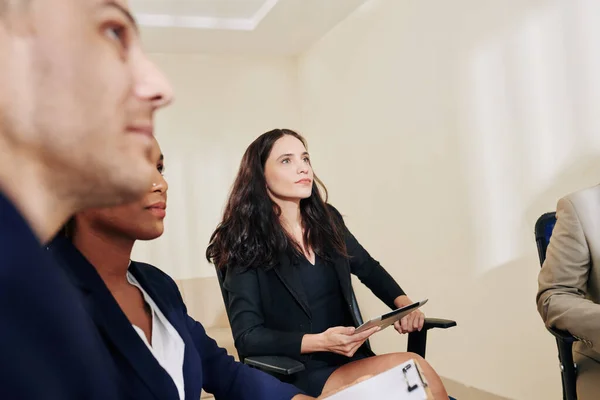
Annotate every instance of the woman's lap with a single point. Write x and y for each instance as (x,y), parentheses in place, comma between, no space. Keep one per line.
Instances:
(312,381)
(313,378)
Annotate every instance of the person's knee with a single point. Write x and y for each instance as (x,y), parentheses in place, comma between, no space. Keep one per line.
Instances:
(401,358)
(416,357)
(588,377)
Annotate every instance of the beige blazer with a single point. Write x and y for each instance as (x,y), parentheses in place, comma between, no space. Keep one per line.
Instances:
(569,282)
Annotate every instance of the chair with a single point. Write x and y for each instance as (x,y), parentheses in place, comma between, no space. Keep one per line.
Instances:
(564,340)
(280,365)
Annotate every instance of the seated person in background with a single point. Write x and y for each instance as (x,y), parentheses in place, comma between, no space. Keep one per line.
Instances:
(288,258)
(159,350)
(569,283)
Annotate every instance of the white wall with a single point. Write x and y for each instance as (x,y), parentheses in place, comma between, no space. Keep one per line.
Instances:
(222,104)
(444,129)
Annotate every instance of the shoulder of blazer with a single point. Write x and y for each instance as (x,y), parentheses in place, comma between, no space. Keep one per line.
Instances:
(150,270)
(583,205)
(334,211)
(234,277)
(337,215)
(584,196)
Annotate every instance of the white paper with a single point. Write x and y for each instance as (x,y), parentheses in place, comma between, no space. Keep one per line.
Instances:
(392,384)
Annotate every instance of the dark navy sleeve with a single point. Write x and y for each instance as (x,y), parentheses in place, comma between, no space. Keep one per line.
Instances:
(230,380)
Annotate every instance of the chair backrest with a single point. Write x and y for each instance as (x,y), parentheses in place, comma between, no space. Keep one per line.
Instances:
(543,230)
(358,316)
(221,278)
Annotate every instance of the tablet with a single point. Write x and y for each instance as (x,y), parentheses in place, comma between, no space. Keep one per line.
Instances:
(385,320)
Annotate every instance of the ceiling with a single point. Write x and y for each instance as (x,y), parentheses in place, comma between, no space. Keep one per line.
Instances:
(265,27)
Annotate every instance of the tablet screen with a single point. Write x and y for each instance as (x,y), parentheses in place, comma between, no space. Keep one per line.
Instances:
(409,307)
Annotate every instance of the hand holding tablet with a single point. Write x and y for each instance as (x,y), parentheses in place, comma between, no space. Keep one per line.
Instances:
(338,339)
(385,320)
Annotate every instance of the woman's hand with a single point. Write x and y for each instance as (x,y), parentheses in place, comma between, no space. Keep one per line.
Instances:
(411,322)
(342,340)
(339,339)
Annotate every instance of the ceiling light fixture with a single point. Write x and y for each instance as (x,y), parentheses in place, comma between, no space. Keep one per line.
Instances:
(201,22)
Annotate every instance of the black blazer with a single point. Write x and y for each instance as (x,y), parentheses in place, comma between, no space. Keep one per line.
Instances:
(206,365)
(49,346)
(268,309)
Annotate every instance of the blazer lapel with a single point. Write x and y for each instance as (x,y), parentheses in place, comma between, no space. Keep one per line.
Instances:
(290,278)
(112,323)
(158,297)
(192,365)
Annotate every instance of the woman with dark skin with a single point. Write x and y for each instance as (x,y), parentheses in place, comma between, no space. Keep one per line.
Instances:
(160,351)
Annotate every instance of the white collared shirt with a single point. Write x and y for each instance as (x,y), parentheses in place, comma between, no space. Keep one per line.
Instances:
(167,345)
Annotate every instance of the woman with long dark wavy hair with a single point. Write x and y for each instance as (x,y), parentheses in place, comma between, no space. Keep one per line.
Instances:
(287,258)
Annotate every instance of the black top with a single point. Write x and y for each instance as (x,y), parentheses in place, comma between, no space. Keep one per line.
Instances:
(326,303)
(269,309)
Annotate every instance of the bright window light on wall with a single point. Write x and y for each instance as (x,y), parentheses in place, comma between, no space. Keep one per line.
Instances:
(203,22)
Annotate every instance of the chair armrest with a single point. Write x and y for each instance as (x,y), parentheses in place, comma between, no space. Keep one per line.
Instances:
(417,340)
(431,323)
(563,336)
(275,364)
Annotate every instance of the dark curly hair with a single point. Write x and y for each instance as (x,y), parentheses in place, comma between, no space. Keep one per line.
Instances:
(251,235)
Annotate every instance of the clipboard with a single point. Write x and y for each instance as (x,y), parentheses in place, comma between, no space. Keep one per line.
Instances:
(385,320)
(406,381)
